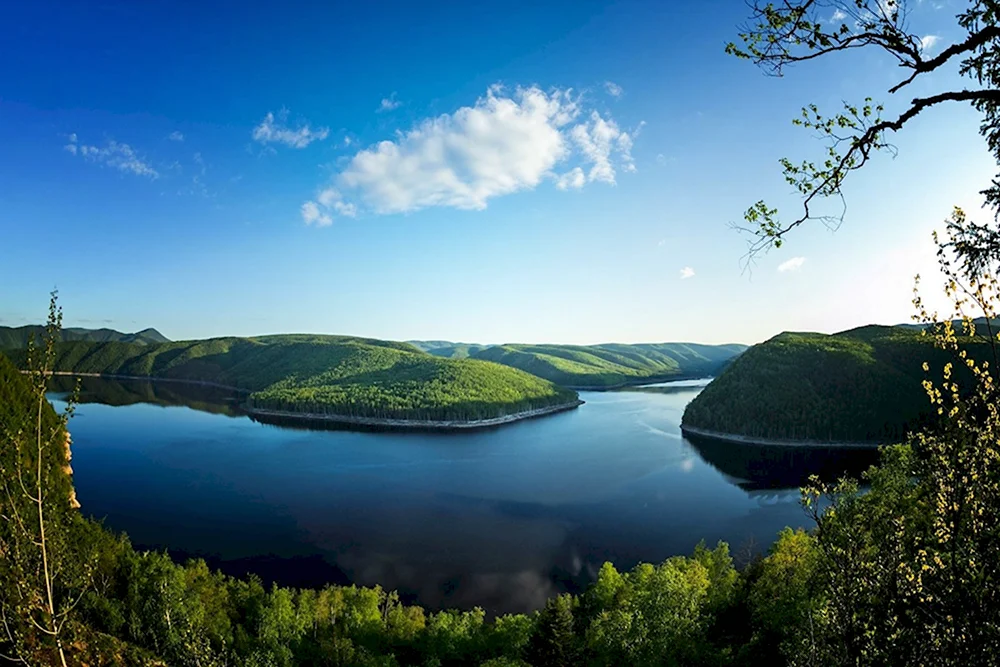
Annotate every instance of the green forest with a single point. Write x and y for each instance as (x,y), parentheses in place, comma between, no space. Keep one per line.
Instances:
(613,364)
(333,375)
(861,385)
(135,608)
(74,593)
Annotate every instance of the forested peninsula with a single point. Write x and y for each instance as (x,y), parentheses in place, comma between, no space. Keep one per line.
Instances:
(856,387)
(330,378)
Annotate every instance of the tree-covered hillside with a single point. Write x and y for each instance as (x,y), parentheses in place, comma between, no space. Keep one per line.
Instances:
(612,364)
(335,375)
(444,348)
(18,337)
(862,385)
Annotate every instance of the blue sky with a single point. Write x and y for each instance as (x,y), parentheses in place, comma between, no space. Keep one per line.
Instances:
(489,172)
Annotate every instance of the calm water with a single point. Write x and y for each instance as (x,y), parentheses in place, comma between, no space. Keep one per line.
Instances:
(502,518)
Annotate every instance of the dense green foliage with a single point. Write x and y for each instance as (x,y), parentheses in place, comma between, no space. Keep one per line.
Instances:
(18,337)
(862,385)
(443,348)
(612,364)
(335,375)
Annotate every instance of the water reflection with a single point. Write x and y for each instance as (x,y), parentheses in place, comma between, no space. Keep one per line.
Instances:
(108,391)
(760,467)
(501,519)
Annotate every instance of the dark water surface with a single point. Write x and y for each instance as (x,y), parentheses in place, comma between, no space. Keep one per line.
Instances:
(502,518)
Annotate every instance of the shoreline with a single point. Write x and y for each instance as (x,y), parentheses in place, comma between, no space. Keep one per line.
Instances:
(774,442)
(639,382)
(346,420)
(309,418)
(147,378)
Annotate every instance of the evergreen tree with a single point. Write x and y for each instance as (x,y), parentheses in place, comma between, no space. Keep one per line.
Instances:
(554,643)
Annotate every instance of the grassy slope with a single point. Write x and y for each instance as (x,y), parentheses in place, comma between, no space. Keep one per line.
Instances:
(858,385)
(336,374)
(612,364)
(18,337)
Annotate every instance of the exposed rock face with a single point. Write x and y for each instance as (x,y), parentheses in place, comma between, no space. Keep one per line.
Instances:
(68,469)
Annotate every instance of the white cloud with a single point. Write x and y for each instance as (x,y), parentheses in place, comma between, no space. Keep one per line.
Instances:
(687,272)
(928,42)
(573,179)
(793,264)
(175,136)
(505,143)
(661,158)
(597,139)
(838,15)
(275,130)
(389,103)
(113,154)
(613,89)
(328,203)
(312,214)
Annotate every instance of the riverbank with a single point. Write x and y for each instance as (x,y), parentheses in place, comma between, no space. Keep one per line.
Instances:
(147,378)
(773,442)
(309,418)
(315,418)
(638,382)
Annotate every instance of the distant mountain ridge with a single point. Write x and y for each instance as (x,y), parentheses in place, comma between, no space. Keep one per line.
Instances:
(447,349)
(614,364)
(596,366)
(13,338)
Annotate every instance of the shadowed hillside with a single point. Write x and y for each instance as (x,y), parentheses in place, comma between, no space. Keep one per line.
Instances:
(861,385)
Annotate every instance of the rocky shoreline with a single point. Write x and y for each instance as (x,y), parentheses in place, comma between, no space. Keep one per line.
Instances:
(315,418)
(773,442)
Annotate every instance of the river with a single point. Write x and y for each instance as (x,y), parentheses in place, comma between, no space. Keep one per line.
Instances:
(500,518)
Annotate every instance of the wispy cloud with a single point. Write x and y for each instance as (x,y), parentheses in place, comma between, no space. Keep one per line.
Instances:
(687,272)
(327,204)
(613,89)
(389,103)
(312,214)
(928,42)
(175,136)
(574,179)
(113,154)
(793,264)
(506,142)
(276,130)
(838,15)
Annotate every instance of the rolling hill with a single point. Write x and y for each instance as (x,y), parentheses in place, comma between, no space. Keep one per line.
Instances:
(447,349)
(18,337)
(610,365)
(861,385)
(335,375)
